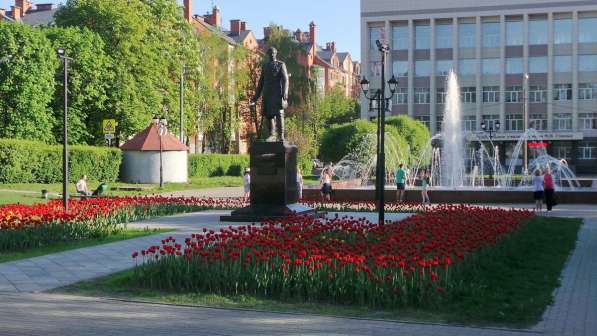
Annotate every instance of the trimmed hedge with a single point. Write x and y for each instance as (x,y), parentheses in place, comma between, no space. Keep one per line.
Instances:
(23,161)
(209,165)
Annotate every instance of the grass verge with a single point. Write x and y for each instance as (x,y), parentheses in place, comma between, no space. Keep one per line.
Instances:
(129,233)
(509,285)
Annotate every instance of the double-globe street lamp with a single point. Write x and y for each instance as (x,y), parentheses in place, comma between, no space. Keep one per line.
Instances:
(491,129)
(65,59)
(382,101)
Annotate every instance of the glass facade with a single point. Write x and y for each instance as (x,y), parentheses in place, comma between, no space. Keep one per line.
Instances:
(538,31)
(514,33)
(587,62)
(562,30)
(467,66)
(514,65)
(376,33)
(562,63)
(422,36)
(400,68)
(587,28)
(400,38)
(443,35)
(538,64)
(491,34)
(423,68)
(466,35)
(443,67)
(491,66)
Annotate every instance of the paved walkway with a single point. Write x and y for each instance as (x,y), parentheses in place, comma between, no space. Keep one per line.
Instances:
(24,311)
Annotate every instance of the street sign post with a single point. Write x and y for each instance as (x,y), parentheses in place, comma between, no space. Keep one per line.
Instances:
(109,129)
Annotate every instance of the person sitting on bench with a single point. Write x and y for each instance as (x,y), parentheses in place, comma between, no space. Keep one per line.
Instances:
(82,186)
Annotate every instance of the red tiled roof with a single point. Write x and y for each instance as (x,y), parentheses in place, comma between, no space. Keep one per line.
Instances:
(149,140)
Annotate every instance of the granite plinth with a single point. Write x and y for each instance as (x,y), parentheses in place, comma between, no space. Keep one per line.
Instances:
(274,190)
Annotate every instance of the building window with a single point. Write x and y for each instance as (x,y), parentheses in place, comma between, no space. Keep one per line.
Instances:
(400,68)
(375,68)
(401,96)
(491,34)
(513,94)
(587,91)
(562,31)
(439,122)
(587,121)
(440,95)
(587,63)
(538,32)
(538,64)
(514,65)
(562,121)
(491,120)
(586,29)
(422,36)
(562,92)
(423,68)
(443,35)
(466,35)
(538,122)
(563,152)
(376,33)
(469,123)
(422,96)
(425,120)
(491,94)
(400,38)
(537,94)
(467,66)
(514,122)
(514,33)
(562,63)
(468,94)
(491,66)
(443,67)
(586,152)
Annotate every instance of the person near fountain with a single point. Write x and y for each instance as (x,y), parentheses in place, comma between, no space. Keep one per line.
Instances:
(425,185)
(247,184)
(400,178)
(299,183)
(326,183)
(538,182)
(549,189)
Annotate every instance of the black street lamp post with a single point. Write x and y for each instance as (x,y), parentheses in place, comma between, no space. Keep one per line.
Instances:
(491,130)
(382,105)
(62,54)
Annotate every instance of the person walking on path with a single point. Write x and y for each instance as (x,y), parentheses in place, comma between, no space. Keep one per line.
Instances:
(400,178)
(247,184)
(425,185)
(549,188)
(538,190)
(325,182)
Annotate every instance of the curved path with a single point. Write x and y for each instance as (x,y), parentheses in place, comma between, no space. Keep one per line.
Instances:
(26,311)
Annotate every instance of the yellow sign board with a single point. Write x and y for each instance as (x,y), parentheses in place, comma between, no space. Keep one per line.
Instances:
(109,126)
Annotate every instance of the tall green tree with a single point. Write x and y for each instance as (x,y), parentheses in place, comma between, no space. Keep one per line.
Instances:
(88,83)
(26,83)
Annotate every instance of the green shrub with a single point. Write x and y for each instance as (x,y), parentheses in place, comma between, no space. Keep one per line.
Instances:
(208,165)
(340,140)
(23,161)
(415,133)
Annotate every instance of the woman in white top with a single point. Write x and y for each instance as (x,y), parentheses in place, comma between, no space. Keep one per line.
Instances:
(538,190)
(247,184)
(299,183)
(326,184)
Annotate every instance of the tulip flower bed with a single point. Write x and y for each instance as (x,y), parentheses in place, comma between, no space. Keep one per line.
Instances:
(30,226)
(344,260)
(366,206)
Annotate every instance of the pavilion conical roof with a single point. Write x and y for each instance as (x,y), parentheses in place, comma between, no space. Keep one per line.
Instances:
(149,140)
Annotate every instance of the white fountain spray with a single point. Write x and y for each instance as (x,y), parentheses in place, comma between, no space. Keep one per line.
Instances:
(453,139)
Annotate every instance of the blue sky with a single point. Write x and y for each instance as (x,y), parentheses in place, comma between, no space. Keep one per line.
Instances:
(337,20)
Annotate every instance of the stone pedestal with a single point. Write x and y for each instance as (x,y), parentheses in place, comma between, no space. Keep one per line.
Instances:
(273,184)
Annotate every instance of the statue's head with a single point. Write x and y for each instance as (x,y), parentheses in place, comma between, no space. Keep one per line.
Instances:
(273,53)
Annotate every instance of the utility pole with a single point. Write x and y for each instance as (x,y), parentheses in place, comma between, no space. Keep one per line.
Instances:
(62,54)
(525,107)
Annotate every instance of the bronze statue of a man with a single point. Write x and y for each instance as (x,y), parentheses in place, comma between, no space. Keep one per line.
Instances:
(273,86)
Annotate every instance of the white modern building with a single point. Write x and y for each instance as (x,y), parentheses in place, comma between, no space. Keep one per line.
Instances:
(492,45)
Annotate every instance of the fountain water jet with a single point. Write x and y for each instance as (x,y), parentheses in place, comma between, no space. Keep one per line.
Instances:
(453,140)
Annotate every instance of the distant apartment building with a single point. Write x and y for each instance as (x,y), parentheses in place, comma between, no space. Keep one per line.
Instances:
(35,15)
(491,45)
